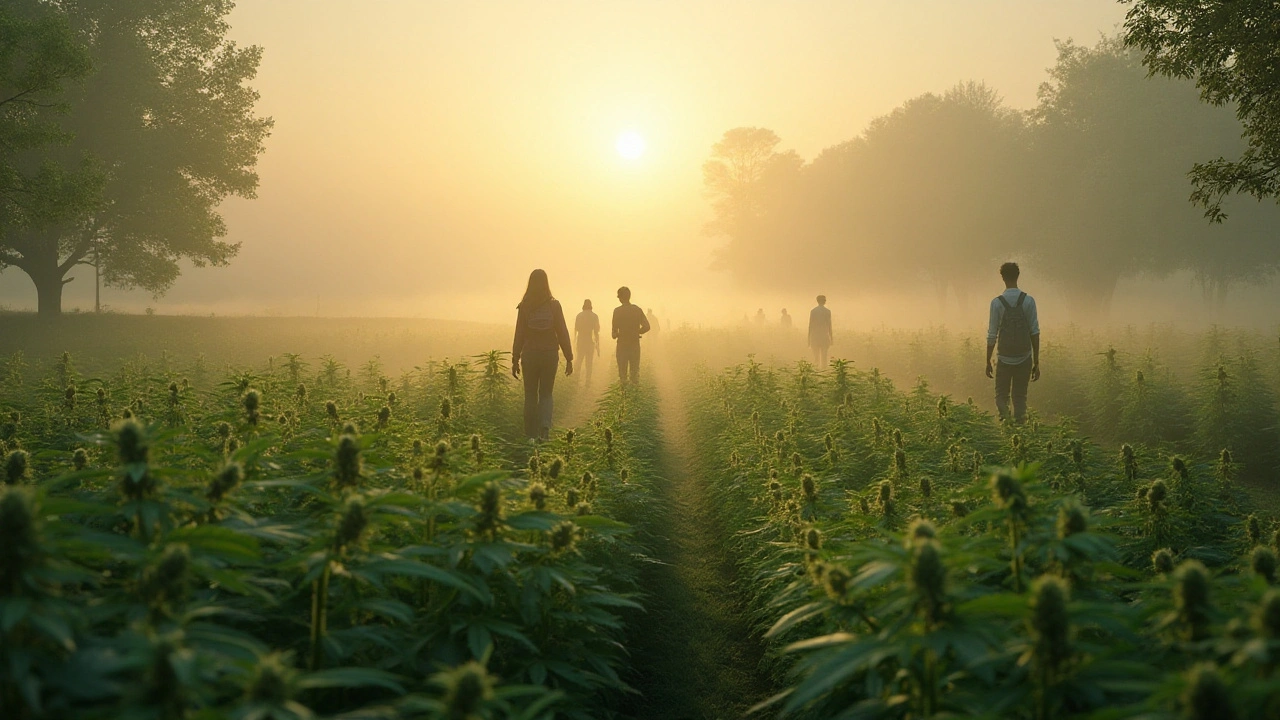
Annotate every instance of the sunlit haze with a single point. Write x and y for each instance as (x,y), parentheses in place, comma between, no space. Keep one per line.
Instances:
(427,155)
(631,145)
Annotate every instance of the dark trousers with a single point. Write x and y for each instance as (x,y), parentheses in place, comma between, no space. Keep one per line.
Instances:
(539,368)
(1013,380)
(628,361)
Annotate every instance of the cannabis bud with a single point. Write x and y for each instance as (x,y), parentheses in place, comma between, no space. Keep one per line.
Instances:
(1263,563)
(225,481)
(468,688)
(16,467)
(1206,696)
(919,529)
(1072,519)
(563,536)
(348,463)
(809,488)
(538,495)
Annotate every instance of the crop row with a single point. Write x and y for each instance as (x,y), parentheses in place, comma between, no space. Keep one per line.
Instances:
(288,541)
(906,556)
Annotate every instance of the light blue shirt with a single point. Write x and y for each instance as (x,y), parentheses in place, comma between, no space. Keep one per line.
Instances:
(997,316)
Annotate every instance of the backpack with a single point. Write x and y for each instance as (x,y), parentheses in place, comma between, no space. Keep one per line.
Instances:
(541,323)
(1015,332)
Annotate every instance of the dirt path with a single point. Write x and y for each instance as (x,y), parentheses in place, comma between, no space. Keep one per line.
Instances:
(697,656)
(581,403)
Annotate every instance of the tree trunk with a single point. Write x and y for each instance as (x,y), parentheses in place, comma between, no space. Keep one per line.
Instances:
(48,284)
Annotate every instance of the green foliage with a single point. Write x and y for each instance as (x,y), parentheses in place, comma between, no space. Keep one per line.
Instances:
(1003,595)
(157,136)
(262,559)
(1229,49)
(1091,185)
(40,56)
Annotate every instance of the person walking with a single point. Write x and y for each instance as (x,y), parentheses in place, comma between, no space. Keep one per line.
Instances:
(1013,335)
(586,329)
(820,331)
(785,321)
(541,335)
(654,325)
(629,323)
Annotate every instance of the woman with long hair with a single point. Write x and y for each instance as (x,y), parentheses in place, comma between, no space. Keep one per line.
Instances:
(541,334)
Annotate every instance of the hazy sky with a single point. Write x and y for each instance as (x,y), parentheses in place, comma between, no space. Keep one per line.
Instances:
(428,154)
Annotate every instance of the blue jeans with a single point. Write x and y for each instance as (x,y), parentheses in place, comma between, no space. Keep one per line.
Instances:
(539,368)
(1013,380)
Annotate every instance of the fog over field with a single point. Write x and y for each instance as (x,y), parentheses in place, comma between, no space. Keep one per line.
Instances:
(426,155)
(930,371)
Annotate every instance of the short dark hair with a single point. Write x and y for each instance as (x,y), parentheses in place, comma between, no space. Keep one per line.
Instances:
(1009,271)
(624,293)
(822,299)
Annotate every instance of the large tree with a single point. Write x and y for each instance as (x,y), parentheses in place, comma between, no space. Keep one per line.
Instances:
(39,55)
(1107,182)
(938,182)
(1231,48)
(168,117)
(745,174)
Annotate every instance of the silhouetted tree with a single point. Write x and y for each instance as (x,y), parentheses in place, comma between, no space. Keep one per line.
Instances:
(1090,187)
(1108,186)
(1231,48)
(744,172)
(167,116)
(942,187)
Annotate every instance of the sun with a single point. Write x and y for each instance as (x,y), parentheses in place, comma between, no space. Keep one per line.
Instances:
(630,145)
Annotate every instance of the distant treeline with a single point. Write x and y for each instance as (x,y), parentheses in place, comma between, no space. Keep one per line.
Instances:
(1091,186)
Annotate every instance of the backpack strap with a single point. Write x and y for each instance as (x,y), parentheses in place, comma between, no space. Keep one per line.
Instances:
(1005,303)
(1021,297)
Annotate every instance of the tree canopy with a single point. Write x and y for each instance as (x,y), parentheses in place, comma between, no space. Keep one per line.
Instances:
(1231,49)
(167,117)
(39,56)
(1091,185)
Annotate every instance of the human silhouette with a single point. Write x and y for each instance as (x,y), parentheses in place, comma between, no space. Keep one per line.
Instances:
(785,321)
(654,325)
(820,331)
(760,320)
(541,334)
(629,323)
(1013,335)
(586,329)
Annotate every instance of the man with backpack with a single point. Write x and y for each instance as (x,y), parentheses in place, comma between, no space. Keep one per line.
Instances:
(1013,334)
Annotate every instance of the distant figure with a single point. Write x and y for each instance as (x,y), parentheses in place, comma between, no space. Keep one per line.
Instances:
(541,334)
(629,323)
(586,329)
(654,325)
(820,331)
(785,322)
(1014,329)
(760,321)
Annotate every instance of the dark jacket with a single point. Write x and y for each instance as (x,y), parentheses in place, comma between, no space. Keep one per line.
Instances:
(629,323)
